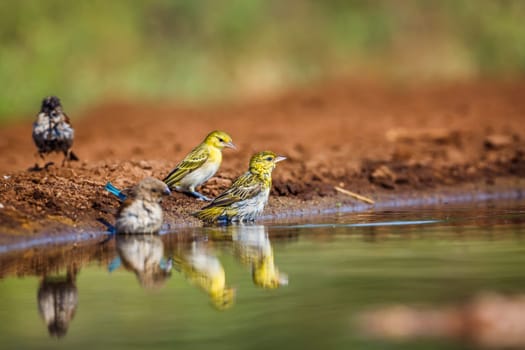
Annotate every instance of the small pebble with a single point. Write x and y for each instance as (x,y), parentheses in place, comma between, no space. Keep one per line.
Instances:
(383,176)
(497,141)
(144,165)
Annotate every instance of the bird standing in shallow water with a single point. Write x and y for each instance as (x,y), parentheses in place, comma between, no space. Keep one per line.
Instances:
(52,130)
(199,165)
(141,211)
(247,196)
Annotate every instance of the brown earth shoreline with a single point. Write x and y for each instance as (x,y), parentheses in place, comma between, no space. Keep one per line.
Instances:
(59,230)
(384,142)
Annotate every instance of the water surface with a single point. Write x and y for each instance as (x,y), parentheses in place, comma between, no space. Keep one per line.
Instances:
(298,285)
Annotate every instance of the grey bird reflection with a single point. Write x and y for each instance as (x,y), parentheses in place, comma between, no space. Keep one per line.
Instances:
(144,256)
(58,301)
(251,246)
(203,269)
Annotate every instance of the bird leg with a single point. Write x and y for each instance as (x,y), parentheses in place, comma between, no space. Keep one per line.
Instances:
(198,195)
(37,167)
(69,156)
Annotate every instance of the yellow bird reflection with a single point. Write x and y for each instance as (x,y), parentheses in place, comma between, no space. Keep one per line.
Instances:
(251,245)
(202,269)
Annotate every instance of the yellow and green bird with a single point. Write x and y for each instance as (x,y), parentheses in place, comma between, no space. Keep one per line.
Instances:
(199,165)
(247,196)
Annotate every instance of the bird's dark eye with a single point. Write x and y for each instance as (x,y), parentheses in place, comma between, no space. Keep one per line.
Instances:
(269,159)
(220,139)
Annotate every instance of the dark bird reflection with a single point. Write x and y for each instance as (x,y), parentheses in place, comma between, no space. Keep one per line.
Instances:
(144,255)
(203,269)
(251,246)
(58,301)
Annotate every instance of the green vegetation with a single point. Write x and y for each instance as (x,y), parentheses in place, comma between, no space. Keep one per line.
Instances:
(87,51)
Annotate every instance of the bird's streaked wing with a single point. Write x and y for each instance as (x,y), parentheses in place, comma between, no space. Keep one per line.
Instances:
(193,160)
(245,187)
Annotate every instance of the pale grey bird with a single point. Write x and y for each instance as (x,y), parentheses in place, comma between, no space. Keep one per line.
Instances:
(141,211)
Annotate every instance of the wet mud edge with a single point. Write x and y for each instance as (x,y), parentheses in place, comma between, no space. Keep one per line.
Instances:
(283,210)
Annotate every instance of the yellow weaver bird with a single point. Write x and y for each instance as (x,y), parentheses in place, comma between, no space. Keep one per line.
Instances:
(199,165)
(247,196)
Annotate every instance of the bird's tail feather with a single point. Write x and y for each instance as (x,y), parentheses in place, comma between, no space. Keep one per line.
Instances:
(72,156)
(172,178)
(210,214)
(114,264)
(115,191)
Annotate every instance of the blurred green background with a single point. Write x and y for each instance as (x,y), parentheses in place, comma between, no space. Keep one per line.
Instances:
(208,50)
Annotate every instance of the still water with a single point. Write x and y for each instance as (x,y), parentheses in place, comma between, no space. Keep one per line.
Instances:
(298,285)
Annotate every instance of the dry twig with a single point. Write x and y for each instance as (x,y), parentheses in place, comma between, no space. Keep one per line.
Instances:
(354,195)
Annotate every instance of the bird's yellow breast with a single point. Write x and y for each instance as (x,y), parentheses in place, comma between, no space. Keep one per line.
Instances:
(215,155)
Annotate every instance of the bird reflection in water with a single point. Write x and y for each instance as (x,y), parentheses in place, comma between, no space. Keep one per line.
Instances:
(251,245)
(144,255)
(57,301)
(204,270)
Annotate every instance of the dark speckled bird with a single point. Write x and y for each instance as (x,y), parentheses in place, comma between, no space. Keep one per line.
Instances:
(52,130)
(141,211)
